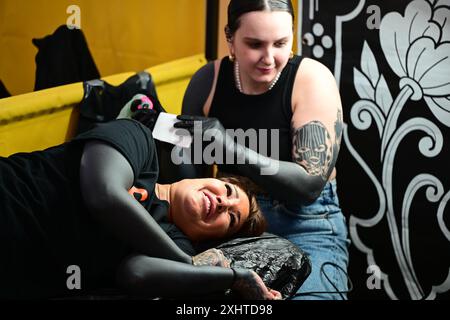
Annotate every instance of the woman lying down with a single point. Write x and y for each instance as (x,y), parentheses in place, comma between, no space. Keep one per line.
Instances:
(89,214)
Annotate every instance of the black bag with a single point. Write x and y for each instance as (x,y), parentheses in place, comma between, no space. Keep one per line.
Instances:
(102,102)
(280,264)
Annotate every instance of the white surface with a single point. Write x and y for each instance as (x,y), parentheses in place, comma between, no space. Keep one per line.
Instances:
(164,131)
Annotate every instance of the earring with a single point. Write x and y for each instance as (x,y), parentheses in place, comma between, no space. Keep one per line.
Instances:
(231,58)
(291,55)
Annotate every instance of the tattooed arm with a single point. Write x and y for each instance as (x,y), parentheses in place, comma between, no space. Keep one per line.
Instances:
(317,121)
(155,277)
(316,132)
(316,127)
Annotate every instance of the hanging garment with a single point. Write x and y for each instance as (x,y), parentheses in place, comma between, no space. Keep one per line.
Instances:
(63,58)
(3,91)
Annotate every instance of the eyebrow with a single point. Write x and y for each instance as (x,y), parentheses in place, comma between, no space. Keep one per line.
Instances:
(259,40)
(238,213)
(235,190)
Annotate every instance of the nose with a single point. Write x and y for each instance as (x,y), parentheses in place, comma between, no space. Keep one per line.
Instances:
(314,160)
(267,58)
(224,203)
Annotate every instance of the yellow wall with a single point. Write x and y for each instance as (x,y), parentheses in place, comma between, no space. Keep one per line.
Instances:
(38,120)
(123,35)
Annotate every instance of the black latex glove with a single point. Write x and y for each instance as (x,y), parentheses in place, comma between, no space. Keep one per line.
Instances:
(209,129)
(188,123)
(145,113)
(147,117)
(282,179)
(168,171)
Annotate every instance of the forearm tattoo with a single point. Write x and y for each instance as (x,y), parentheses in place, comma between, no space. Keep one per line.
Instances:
(313,149)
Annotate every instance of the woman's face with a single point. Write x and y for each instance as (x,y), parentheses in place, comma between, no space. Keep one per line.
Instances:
(208,208)
(262,45)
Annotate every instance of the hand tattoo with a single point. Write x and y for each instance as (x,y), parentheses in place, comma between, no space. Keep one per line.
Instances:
(211,257)
(250,286)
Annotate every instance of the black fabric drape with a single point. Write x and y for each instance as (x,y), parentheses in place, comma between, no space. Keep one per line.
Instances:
(391,62)
(3,91)
(63,58)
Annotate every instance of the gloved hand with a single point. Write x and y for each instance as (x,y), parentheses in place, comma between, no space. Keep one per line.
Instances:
(147,117)
(142,108)
(234,154)
(207,128)
(137,103)
(188,123)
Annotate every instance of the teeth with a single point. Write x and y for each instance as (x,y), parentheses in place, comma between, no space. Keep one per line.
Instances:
(208,204)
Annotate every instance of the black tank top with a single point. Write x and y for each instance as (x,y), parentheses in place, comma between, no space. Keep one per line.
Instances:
(269,110)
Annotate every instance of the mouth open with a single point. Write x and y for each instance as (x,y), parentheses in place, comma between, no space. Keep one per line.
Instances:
(209,205)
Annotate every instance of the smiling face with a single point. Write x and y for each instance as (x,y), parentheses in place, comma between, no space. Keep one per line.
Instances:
(262,45)
(208,208)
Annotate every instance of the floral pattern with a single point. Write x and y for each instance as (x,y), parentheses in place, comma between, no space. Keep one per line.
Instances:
(417,48)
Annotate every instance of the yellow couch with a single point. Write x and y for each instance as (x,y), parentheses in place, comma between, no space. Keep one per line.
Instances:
(41,119)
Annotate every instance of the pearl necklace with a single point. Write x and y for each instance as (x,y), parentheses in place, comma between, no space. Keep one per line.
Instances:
(237,78)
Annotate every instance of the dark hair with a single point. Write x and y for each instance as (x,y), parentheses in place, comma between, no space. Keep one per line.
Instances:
(255,224)
(237,8)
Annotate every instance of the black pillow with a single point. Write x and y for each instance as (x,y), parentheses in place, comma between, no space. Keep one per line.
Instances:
(280,264)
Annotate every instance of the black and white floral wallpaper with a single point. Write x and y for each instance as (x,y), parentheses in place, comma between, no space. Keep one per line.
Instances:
(391,60)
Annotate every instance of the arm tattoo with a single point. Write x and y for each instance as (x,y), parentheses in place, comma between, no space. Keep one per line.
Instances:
(313,149)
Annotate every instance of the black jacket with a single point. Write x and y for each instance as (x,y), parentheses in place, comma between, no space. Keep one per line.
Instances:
(63,58)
